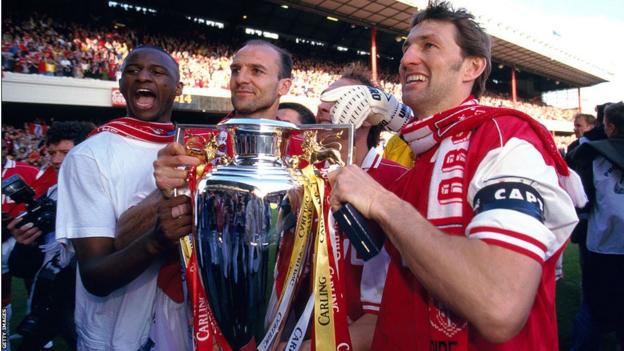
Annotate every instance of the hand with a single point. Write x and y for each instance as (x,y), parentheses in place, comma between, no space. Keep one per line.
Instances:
(355,104)
(353,185)
(26,234)
(170,168)
(175,218)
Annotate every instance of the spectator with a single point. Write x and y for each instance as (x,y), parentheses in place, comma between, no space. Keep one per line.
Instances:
(600,164)
(295,113)
(582,124)
(51,312)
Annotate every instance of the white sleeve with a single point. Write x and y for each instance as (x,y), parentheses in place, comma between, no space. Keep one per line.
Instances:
(519,203)
(373,281)
(85,207)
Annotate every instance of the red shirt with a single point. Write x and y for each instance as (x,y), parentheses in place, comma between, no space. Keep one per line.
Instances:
(404,322)
(364,296)
(28,174)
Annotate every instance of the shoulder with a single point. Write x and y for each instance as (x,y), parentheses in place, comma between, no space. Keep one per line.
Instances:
(25,168)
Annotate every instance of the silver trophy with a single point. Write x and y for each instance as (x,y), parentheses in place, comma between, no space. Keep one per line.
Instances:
(245,220)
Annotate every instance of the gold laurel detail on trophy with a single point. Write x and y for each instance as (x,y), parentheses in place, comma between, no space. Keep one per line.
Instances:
(325,150)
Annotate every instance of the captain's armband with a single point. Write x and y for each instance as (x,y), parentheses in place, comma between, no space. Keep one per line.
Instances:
(515,196)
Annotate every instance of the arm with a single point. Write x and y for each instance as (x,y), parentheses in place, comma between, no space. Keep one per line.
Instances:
(143,232)
(137,220)
(493,288)
(107,264)
(362,332)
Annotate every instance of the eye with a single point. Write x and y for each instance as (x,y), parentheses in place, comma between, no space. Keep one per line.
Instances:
(429,45)
(235,69)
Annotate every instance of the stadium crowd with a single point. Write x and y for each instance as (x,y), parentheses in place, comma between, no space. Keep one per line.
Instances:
(41,45)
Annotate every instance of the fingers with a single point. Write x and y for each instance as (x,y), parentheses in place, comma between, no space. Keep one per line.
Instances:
(26,234)
(180,210)
(335,94)
(175,217)
(172,149)
(29,236)
(353,185)
(170,168)
(13,223)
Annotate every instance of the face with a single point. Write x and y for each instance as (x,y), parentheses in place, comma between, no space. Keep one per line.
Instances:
(255,84)
(324,108)
(434,76)
(288,115)
(58,152)
(581,126)
(149,83)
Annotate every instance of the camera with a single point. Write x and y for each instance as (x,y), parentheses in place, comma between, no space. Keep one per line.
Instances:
(40,212)
(51,305)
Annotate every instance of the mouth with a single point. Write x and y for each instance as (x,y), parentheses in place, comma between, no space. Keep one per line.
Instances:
(415,78)
(243,92)
(144,99)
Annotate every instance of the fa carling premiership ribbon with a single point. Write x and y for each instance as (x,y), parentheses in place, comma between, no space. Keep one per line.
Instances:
(324,330)
(337,269)
(296,264)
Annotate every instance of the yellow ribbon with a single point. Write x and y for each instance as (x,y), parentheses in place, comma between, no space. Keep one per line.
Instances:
(325,332)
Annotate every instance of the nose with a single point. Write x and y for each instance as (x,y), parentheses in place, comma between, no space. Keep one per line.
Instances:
(144,75)
(323,112)
(242,76)
(411,56)
(57,159)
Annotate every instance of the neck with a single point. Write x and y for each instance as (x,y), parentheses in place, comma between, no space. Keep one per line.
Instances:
(422,112)
(266,114)
(360,144)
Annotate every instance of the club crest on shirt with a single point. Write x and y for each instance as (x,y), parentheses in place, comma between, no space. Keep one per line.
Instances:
(444,320)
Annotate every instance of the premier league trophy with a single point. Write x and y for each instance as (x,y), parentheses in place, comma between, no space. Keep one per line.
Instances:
(253,226)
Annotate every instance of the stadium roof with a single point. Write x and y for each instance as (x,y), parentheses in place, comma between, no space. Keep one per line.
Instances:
(509,45)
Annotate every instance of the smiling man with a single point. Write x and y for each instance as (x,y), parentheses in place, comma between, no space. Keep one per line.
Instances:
(261,74)
(476,226)
(103,179)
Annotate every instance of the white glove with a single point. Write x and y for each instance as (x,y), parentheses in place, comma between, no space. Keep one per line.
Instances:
(355,104)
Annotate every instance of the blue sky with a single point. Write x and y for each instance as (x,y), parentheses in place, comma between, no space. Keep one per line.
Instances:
(594,29)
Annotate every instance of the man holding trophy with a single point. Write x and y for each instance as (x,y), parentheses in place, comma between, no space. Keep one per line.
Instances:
(478,223)
(118,223)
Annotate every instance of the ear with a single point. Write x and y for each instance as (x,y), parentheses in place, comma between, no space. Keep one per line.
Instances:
(179,87)
(284,86)
(473,67)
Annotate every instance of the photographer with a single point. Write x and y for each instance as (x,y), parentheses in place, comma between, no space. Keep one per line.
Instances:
(50,300)
(10,209)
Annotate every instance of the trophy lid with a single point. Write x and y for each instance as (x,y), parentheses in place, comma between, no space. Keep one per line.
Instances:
(257,141)
(258,124)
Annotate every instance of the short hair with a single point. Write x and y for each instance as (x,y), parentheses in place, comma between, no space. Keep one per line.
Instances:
(285,58)
(360,73)
(306,116)
(471,38)
(614,113)
(600,111)
(76,131)
(156,48)
(589,119)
